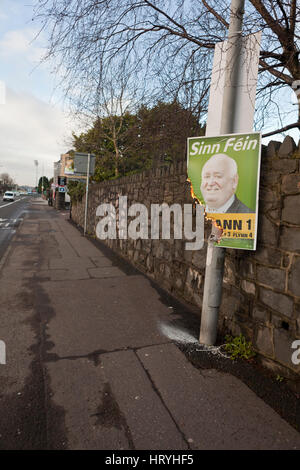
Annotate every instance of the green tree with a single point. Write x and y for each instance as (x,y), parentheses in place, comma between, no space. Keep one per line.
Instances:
(110,139)
(43,183)
(163,132)
(134,142)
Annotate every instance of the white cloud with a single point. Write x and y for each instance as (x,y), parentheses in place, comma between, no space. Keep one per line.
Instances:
(3,16)
(31,129)
(21,43)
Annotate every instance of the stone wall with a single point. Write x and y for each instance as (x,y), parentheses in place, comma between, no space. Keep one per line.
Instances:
(261,291)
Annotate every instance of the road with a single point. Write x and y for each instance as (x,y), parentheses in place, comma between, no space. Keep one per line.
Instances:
(11,214)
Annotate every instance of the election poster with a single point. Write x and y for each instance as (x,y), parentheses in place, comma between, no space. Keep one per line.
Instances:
(224,174)
(68,164)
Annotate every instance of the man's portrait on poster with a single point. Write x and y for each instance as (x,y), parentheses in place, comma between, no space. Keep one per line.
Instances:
(219,181)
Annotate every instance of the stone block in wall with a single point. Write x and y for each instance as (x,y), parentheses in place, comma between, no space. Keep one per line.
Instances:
(166,255)
(246,325)
(246,269)
(290,239)
(178,283)
(194,279)
(294,277)
(232,299)
(229,274)
(263,340)
(286,260)
(248,287)
(192,285)
(283,351)
(274,215)
(272,277)
(261,314)
(279,302)
(167,272)
(160,268)
(149,263)
(199,258)
(277,321)
(267,195)
(291,209)
(291,184)
(146,246)
(272,148)
(285,165)
(298,327)
(178,249)
(188,256)
(159,250)
(287,147)
(267,231)
(233,328)
(269,177)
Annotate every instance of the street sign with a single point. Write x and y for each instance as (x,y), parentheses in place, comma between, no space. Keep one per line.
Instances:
(62,189)
(62,180)
(224,175)
(81,161)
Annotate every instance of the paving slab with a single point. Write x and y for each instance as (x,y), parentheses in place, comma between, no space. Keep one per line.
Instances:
(103,272)
(70,263)
(150,423)
(214,410)
(103,314)
(92,417)
(68,274)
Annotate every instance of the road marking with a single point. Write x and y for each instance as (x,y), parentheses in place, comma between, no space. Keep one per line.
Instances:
(10,203)
(8,223)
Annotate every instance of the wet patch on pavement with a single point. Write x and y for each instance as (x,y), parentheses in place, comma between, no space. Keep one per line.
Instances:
(109,414)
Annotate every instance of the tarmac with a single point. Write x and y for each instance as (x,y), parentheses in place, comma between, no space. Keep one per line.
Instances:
(92,357)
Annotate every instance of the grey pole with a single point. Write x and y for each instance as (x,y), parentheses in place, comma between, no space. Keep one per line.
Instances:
(43,180)
(215,255)
(36,163)
(86,194)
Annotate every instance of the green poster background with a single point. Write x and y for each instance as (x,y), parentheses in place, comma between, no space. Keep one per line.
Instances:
(248,163)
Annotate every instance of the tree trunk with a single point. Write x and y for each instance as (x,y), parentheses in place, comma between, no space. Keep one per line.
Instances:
(117,160)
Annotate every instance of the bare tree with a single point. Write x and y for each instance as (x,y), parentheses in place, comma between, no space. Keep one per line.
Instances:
(168,44)
(6,182)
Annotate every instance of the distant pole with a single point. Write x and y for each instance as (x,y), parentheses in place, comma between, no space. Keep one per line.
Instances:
(43,180)
(36,172)
(86,193)
(215,256)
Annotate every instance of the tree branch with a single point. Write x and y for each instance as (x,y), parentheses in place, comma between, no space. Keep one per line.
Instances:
(270,21)
(283,129)
(276,73)
(216,15)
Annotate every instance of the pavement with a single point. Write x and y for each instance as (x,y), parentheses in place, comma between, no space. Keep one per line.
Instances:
(92,360)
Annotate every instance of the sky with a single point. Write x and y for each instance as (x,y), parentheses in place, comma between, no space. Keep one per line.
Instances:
(33,123)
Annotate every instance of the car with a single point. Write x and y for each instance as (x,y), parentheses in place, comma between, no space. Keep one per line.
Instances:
(8,196)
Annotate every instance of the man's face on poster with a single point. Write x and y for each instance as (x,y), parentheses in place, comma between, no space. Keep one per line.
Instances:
(219,180)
